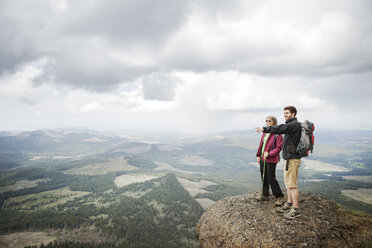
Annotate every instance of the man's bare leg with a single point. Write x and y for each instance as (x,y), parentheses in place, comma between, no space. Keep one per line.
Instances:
(294,196)
(289,195)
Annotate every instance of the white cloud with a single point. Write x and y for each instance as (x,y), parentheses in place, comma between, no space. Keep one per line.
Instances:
(267,44)
(236,91)
(92,106)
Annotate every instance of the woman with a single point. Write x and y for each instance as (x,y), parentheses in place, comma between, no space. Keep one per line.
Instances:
(268,156)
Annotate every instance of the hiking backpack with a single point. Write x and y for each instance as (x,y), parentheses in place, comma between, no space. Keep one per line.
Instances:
(307,139)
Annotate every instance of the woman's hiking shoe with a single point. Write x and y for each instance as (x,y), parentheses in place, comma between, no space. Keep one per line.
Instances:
(279,201)
(292,214)
(284,208)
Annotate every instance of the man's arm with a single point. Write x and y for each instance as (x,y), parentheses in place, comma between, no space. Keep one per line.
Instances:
(280,129)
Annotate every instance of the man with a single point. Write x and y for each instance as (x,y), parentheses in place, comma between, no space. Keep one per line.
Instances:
(292,134)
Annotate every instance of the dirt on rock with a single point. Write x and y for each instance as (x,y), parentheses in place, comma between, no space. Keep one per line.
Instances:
(242,221)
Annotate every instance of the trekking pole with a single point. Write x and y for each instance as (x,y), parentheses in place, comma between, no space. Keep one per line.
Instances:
(263,179)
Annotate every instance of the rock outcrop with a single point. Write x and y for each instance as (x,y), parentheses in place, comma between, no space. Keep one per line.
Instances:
(242,221)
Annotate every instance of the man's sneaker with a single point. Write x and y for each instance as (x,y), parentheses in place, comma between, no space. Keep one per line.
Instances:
(292,214)
(262,198)
(279,201)
(284,208)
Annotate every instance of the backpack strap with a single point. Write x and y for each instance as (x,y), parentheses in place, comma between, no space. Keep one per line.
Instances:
(274,144)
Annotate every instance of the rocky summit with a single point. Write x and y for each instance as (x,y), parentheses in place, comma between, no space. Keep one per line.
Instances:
(242,221)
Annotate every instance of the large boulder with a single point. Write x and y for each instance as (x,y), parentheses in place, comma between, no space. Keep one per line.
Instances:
(242,221)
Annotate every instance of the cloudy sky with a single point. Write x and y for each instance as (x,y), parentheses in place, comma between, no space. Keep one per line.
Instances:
(185,65)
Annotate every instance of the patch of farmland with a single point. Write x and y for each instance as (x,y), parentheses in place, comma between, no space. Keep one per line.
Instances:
(363,195)
(195,188)
(83,234)
(313,180)
(22,239)
(116,164)
(166,166)
(94,140)
(34,158)
(61,157)
(127,179)
(205,202)
(22,184)
(364,179)
(43,200)
(168,147)
(134,150)
(321,166)
(54,157)
(196,161)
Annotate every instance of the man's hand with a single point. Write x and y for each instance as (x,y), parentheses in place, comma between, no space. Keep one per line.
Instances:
(266,154)
(258,159)
(259,129)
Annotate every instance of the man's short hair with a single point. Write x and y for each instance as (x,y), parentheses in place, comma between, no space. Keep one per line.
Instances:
(291,109)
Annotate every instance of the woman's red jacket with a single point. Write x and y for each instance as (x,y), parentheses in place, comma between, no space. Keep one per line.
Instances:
(271,148)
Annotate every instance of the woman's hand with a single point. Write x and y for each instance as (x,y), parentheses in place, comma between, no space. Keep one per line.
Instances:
(266,154)
(258,159)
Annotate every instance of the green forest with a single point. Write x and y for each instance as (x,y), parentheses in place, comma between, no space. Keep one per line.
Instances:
(165,215)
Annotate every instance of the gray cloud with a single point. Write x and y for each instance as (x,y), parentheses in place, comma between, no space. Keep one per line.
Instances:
(131,22)
(83,68)
(80,41)
(160,87)
(18,33)
(28,100)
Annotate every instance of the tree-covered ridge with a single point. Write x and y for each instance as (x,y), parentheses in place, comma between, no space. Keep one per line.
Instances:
(164,215)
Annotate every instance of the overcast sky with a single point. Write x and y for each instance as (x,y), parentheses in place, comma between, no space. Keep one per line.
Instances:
(191,66)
